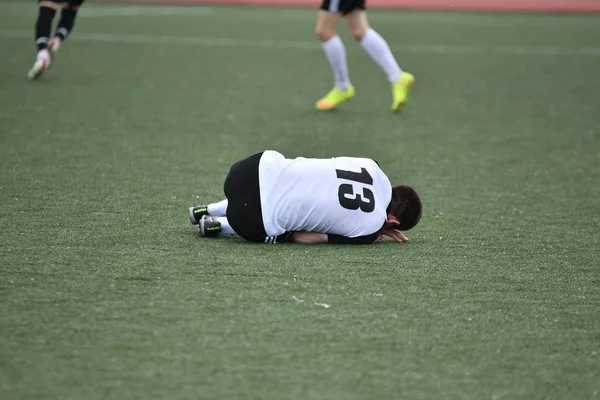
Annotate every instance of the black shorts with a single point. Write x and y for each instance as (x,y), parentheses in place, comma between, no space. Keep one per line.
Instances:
(244,212)
(343,6)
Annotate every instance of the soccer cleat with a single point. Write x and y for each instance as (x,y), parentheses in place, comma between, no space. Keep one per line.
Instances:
(196,213)
(400,91)
(335,97)
(209,226)
(41,64)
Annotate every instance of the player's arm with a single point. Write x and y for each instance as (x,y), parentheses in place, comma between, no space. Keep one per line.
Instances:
(316,238)
(309,237)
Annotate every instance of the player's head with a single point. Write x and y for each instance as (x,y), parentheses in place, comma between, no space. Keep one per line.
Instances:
(406,206)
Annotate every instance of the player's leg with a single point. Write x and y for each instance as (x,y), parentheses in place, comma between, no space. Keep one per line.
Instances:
(66,23)
(373,43)
(211,219)
(334,49)
(242,207)
(214,210)
(379,51)
(43,26)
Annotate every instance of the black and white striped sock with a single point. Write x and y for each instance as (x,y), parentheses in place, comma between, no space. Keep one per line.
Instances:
(66,23)
(43,26)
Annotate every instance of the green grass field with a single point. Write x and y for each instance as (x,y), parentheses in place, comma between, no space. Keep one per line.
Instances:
(107,292)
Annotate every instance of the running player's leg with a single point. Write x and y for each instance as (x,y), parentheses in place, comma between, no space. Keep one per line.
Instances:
(65,23)
(379,50)
(43,26)
(334,49)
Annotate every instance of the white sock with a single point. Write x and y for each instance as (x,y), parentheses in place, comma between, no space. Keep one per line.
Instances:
(218,209)
(380,52)
(226,229)
(336,54)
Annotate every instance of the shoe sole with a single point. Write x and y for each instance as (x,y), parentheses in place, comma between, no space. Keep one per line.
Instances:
(201,228)
(335,106)
(192,217)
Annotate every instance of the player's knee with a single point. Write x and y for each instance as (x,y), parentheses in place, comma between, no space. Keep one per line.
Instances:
(324,34)
(49,4)
(358,33)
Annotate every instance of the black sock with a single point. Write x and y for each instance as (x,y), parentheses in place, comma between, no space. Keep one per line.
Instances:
(65,24)
(43,27)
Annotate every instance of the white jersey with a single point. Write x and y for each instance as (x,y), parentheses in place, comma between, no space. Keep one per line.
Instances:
(343,196)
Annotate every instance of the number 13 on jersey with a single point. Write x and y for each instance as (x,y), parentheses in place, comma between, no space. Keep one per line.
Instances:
(347,192)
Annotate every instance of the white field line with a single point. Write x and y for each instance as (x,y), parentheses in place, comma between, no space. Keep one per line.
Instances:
(314,45)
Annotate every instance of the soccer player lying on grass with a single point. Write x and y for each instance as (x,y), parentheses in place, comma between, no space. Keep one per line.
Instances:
(353,12)
(46,47)
(342,200)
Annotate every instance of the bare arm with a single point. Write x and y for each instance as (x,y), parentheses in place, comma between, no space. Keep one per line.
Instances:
(309,237)
(316,238)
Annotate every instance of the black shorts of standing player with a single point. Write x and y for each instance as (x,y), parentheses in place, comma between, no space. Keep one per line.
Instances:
(244,212)
(343,6)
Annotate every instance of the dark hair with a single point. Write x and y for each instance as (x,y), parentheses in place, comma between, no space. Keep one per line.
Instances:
(406,205)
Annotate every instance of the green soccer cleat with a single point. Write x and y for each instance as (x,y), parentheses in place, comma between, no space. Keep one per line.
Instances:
(400,91)
(335,97)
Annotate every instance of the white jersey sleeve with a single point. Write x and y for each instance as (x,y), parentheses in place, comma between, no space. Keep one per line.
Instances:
(343,196)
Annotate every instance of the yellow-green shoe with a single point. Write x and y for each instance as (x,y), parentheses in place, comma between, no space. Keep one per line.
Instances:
(401,89)
(335,97)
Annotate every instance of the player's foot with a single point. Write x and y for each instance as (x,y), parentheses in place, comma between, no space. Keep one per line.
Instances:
(209,226)
(401,89)
(54,45)
(196,213)
(42,63)
(335,97)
